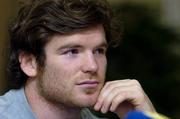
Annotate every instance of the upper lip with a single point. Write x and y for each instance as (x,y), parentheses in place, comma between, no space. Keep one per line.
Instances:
(88,82)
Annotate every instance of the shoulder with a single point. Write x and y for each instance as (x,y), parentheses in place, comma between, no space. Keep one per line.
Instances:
(14,105)
(8,107)
(6,101)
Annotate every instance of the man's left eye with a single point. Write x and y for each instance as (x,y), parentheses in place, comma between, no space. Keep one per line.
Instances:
(100,51)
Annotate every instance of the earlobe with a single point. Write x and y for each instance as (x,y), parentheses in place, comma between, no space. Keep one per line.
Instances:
(28,64)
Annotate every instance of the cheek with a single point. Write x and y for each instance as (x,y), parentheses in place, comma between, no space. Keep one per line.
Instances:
(68,64)
(57,80)
(55,72)
(102,65)
(63,65)
(61,70)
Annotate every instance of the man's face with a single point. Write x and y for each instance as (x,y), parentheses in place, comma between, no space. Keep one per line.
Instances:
(75,68)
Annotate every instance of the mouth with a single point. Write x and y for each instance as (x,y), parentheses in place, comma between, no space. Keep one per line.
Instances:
(88,84)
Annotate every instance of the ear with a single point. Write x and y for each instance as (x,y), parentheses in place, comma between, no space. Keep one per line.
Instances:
(28,64)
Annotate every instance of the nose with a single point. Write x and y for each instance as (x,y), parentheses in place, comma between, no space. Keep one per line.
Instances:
(90,64)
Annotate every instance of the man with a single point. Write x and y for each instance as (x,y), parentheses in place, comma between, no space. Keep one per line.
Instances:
(58,64)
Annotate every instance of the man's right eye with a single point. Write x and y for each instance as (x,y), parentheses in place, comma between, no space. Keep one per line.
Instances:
(71,52)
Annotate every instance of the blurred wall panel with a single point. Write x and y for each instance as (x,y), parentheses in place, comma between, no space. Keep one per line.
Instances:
(7,11)
(170,9)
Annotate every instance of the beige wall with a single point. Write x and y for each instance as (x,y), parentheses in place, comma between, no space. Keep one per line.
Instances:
(7,11)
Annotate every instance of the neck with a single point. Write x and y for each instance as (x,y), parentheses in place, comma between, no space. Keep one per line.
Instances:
(44,109)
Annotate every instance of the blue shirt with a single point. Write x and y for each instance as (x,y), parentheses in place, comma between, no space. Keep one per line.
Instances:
(14,105)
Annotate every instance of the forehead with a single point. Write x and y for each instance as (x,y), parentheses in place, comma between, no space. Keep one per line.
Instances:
(90,36)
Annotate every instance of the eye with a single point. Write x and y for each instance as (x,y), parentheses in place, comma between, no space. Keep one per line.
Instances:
(71,52)
(100,51)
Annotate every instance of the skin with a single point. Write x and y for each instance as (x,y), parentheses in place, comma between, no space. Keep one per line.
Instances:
(121,96)
(73,78)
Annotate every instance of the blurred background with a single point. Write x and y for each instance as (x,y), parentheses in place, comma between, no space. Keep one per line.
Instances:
(149,50)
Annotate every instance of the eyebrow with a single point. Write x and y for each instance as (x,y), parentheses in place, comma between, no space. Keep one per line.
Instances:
(75,45)
(103,44)
(69,46)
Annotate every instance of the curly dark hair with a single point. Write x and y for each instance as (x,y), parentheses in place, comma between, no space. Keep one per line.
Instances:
(39,20)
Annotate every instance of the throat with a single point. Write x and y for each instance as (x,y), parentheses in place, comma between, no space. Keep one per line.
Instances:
(65,112)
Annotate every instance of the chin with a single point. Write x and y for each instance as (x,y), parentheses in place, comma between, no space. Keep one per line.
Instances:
(88,100)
